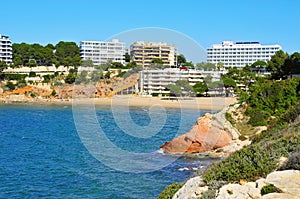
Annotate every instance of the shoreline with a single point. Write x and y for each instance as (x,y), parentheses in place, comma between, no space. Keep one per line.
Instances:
(198,103)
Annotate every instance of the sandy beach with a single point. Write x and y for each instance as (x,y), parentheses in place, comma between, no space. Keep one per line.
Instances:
(201,103)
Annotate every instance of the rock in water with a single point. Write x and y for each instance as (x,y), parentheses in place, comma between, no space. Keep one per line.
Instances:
(208,134)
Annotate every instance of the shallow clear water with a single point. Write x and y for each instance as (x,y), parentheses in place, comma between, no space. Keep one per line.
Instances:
(42,155)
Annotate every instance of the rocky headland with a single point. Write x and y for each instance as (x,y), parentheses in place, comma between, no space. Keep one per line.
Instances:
(212,135)
(263,164)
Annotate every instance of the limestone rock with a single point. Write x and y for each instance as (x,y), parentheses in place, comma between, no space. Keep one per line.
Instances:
(260,183)
(282,161)
(236,191)
(251,184)
(288,181)
(260,129)
(192,189)
(279,196)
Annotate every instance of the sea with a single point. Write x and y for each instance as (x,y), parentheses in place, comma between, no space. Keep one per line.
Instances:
(47,151)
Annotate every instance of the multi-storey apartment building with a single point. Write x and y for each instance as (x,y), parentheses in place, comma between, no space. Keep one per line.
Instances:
(240,54)
(155,81)
(5,49)
(100,52)
(144,52)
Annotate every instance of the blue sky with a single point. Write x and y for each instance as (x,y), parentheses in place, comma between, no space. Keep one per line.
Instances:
(207,22)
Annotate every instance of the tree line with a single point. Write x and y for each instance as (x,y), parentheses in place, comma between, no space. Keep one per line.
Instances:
(282,65)
(63,53)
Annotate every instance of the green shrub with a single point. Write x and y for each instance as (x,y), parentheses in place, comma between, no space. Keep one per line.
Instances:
(21,83)
(47,79)
(121,74)
(17,77)
(270,189)
(293,162)
(291,114)
(269,134)
(107,75)
(278,125)
(155,94)
(254,161)
(32,95)
(10,86)
(259,118)
(170,191)
(211,193)
(53,92)
(56,74)
(71,77)
(229,118)
(271,98)
(247,164)
(32,74)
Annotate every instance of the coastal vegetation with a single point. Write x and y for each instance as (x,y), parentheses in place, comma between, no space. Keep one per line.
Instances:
(268,100)
(283,65)
(169,191)
(3,65)
(282,139)
(256,160)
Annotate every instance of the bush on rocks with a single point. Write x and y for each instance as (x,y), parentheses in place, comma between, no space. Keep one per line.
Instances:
(270,189)
(293,162)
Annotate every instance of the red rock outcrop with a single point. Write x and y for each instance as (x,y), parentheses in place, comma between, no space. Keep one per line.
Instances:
(206,135)
(27,90)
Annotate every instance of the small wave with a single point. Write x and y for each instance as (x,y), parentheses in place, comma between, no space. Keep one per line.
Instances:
(160,151)
(145,109)
(188,169)
(183,169)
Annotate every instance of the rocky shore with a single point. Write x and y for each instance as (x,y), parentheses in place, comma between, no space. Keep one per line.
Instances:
(287,183)
(212,135)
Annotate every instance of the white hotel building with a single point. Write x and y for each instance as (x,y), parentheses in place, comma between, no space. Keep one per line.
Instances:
(240,54)
(155,81)
(100,52)
(5,49)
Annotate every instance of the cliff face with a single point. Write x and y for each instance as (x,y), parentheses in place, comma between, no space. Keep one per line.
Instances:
(209,133)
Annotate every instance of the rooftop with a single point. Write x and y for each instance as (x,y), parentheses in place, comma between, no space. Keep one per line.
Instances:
(240,43)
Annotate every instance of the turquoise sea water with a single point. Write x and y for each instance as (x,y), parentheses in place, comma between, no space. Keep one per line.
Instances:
(42,156)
